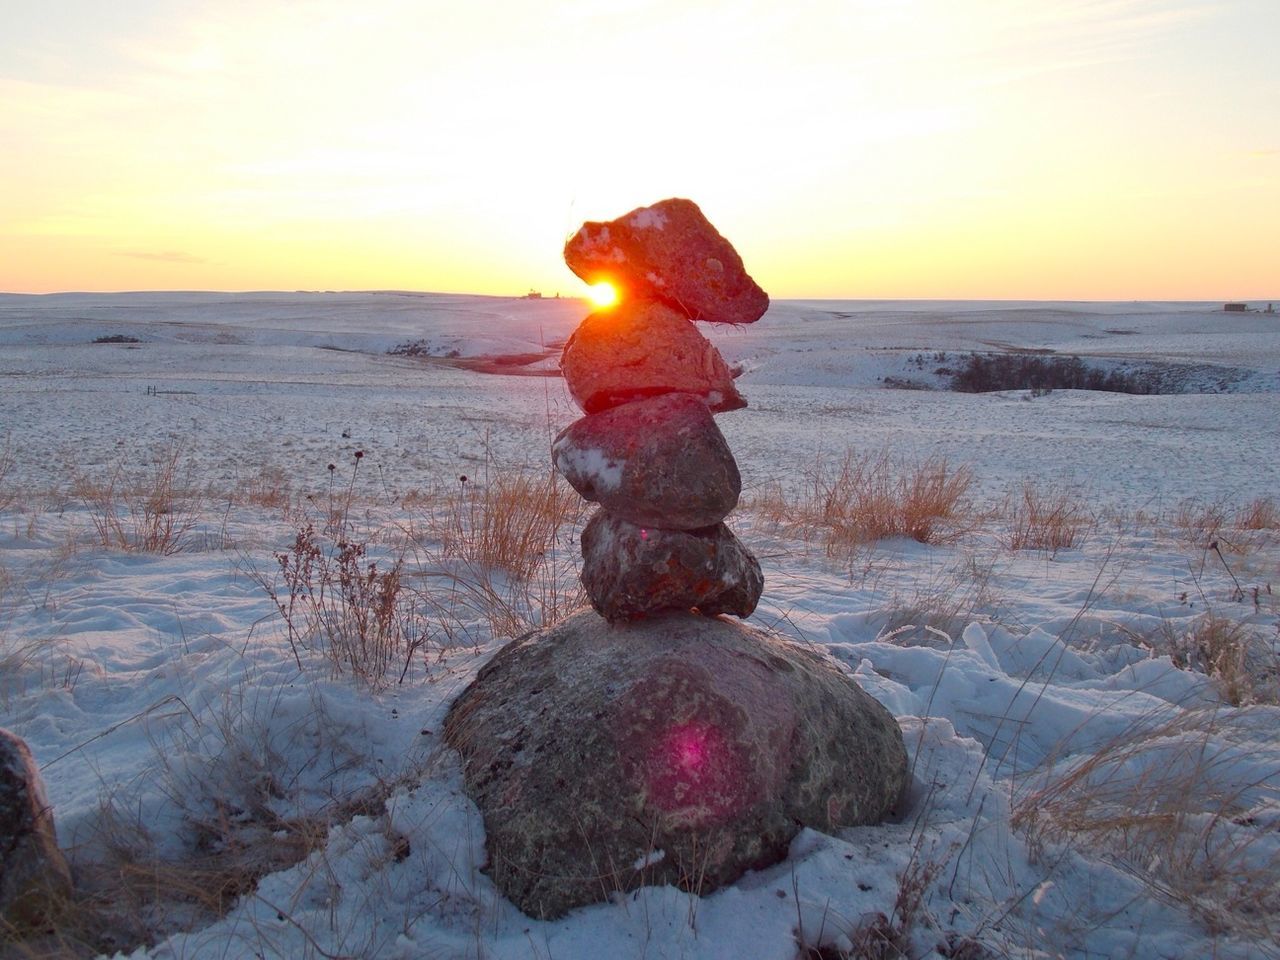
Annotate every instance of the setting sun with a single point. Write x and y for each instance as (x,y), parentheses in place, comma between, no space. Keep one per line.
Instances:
(602,294)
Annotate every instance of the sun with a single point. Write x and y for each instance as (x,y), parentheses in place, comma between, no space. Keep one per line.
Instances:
(603,294)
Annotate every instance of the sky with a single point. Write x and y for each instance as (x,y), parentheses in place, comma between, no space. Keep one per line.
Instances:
(1012,149)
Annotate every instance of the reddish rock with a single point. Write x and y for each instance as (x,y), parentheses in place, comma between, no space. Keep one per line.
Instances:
(672,252)
(631,571)
(678,750)
(659,462)
(642,348)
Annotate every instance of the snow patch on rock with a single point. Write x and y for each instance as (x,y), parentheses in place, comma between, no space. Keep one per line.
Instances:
(605,471)
(648,218)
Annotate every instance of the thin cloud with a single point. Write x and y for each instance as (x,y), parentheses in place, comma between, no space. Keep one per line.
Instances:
(162,256)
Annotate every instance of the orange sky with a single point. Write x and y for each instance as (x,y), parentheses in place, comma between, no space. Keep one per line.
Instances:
(1082,149)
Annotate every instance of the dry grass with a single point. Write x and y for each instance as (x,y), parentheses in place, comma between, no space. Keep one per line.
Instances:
(873,498)
(508,606)
(270,487)
(1221,648)
(483,554)
(132,889)
(936,611)
(507,523)
(1163,803)
(1045,519)
(499,552)
(351,607)
(154,511)
(1198,522)
(1261,513)
(8,495)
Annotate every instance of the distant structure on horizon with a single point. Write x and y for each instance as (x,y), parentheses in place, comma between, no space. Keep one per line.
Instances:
(1235,307)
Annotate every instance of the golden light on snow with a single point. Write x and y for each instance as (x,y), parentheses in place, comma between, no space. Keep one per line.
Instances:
(602,294)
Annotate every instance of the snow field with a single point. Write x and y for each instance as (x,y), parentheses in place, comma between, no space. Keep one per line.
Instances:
(1082,783)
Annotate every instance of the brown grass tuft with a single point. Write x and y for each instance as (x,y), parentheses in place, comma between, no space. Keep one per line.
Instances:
(151,512)
(1045,519)
(873,498)
(8,495)
(1220,647)
(1261,513)
(508,523)
(1200,522)
(1162,803)
(270,487)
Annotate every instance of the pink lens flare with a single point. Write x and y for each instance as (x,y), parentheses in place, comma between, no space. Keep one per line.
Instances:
(694,773)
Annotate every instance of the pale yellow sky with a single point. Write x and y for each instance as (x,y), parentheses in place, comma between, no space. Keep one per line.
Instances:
(1082,149)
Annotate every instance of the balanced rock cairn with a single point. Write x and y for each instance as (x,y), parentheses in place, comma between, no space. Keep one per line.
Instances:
(648,450)
(650,741)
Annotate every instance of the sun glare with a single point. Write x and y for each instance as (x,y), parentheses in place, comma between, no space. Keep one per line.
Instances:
(602,294)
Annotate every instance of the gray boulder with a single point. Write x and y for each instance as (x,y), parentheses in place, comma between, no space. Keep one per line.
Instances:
(632,571)
(642,348)
(35,881)
(659,462)
(678,750)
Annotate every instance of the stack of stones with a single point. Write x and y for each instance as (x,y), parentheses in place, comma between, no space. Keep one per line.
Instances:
(640,743)
(648,450)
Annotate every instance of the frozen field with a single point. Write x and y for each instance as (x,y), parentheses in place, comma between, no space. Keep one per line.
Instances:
(1093,727)
(278,378)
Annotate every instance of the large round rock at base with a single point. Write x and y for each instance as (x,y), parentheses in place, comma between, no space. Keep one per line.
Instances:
(679,750)
(661,461)
(632,571)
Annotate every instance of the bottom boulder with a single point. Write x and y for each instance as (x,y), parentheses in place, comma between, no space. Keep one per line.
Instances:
(679,750)
(35,881)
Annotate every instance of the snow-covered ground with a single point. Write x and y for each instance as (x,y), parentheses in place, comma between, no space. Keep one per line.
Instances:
(1042,693)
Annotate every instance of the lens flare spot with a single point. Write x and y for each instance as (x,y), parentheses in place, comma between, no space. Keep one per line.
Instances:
(689,748)
(603,294)
(694,775)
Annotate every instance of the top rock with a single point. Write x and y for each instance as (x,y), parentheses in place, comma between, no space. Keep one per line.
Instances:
(671,252)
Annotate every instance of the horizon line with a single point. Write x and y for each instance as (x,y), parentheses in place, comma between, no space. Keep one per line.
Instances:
(501,296)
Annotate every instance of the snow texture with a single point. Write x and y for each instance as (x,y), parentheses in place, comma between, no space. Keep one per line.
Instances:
(163,687)
(604,472)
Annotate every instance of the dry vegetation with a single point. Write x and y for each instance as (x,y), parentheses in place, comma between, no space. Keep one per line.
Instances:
(1045,519)
(1261,513)
(384,600)
(8,494)
(374,600)
(507,523)
(1161,802)
(865,499)
(152,510)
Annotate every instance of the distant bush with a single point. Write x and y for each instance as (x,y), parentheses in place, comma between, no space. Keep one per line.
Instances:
(986,373)
(422,348)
